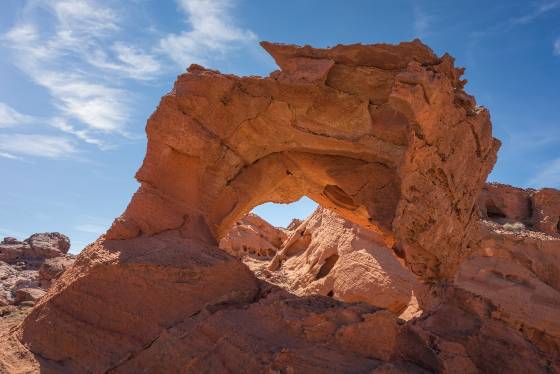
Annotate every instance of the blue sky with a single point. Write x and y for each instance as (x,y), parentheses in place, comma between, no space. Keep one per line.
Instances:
(80,77)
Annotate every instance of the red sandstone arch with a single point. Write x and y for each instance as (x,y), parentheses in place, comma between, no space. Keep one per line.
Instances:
(383,134)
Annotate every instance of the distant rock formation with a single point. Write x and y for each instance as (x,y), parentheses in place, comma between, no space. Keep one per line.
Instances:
(253,235)
(324,255)
(28,267)
(36,248)
(537,209)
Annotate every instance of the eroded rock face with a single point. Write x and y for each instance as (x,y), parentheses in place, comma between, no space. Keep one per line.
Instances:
(328,255)
(36,248)
(537,209)
(253,235)
(52,268)
(519,273)
(546,210)
(383,135)
(21,261)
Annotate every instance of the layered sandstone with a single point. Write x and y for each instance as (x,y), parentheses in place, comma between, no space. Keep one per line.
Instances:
(519,273)
(34,249)
(23,281)
(253,235)
(537,209)
(328,255)
(23,265)
(385,137)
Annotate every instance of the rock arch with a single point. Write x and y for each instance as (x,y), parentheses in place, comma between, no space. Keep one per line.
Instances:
(383,134)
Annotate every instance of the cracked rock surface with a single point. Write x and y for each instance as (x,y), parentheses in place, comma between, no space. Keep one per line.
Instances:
(382,135)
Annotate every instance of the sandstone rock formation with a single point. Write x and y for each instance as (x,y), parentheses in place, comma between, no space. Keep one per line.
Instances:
(21,263)
(519,273)
(34,249)
(538,209)
(52,268)
(253,235)
(328,255)
(382,135)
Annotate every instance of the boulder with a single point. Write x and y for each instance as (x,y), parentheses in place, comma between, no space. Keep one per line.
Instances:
(48,244)
(10,240)
(52,268)
(13,252)
(546,210)
(503,203)
(29,294)
(34,249)
(12,279)
(330,256)
(519,272)
(253,235)
(537,209)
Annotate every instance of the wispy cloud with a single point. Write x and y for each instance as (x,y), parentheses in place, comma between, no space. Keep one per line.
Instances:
(74,57)
(83,134)
(532,14)
(9,117)
(556,47)
(212,32)
(48,59)
(13,145)
(79,52)
(129,60)
(422,22)
(535,13)
(548,177)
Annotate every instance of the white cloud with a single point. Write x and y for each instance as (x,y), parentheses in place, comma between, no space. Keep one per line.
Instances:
(130,61)
(422,22)
(212,32)
(85,17)
(548,177)
(556,47)
(77,53)
(7,155)
(535,13)
(84,134)
(36,146)
(100,107)
(62,59)
(10,117)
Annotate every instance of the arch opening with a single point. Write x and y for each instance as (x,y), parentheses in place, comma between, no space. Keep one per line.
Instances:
(322,253)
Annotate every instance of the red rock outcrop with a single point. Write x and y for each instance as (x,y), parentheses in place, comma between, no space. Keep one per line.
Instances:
(538,209)
(328,255)
(21,286)
(546,210)
(382,135)
(519,293)
(36,248)
(253,235)
(21,261)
